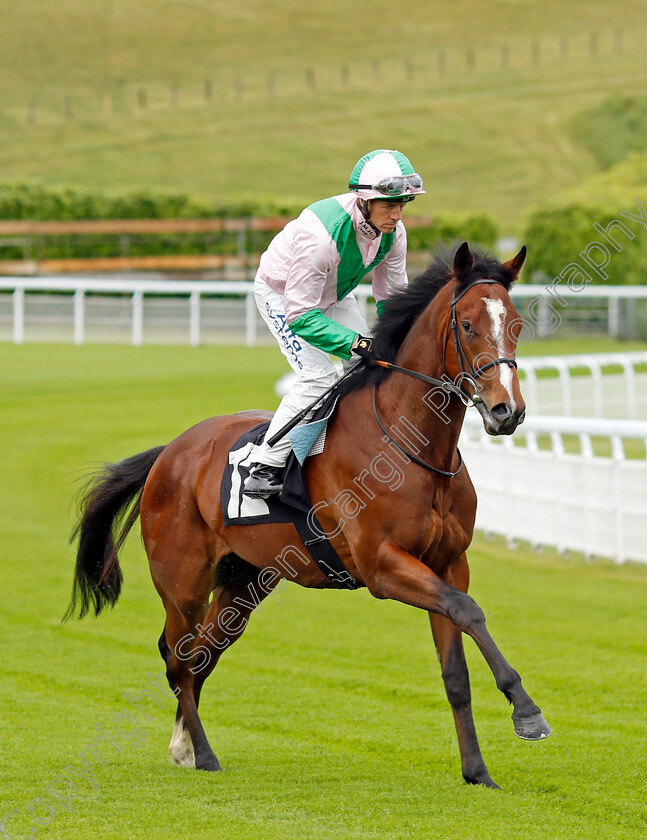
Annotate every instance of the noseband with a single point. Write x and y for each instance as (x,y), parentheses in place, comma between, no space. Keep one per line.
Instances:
(467,372)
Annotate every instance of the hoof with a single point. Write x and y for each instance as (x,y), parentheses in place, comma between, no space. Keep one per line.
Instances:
(209,763)
(486,781)
(531,728)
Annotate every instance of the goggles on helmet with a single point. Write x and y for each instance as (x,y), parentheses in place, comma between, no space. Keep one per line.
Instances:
(395,185)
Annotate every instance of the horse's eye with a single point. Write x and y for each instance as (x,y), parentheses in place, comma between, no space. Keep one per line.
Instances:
(466,326)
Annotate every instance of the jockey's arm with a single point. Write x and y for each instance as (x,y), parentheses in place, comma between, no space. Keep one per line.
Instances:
(304,290)
(323,333)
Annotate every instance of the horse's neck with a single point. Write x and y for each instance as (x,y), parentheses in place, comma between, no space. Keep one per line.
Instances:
(436,416)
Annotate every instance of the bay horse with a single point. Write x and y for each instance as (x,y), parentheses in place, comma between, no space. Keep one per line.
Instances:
(388,489)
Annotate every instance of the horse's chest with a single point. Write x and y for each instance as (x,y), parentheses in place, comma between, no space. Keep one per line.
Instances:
(447,539)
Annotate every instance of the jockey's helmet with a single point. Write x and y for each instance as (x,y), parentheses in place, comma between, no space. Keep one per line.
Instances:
(385,174)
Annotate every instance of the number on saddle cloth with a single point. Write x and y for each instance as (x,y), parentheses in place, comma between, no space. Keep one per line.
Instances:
(293,506)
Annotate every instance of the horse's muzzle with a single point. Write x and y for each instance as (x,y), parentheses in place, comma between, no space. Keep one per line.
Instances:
(500,419)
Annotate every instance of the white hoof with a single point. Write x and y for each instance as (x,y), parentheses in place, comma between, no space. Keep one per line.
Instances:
(181,746)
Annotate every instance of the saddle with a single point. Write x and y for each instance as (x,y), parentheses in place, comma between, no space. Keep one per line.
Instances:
(293,505)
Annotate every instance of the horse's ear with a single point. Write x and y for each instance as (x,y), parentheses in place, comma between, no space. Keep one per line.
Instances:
(463,262)
(515,265)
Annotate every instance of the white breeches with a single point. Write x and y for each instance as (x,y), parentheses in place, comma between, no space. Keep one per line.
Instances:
(314,369)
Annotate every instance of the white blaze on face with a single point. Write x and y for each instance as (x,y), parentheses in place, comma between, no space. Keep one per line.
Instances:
(496,311)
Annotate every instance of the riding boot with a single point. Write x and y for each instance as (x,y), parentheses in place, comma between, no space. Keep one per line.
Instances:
(264,481)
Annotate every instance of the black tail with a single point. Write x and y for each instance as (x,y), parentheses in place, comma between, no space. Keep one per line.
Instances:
(107,514)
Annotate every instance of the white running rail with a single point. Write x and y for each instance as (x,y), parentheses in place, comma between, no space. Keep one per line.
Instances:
(533,486)
(591,385)
(188,311)
(189,295)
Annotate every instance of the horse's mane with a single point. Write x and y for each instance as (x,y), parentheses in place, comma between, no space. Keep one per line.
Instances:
(401,311)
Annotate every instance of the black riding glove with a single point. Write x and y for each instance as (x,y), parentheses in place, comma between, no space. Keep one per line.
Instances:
(363,347)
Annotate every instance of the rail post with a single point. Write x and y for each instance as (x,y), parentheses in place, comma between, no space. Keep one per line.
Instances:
(19,316)
(618,455)
(194,319)
(79,316)
(138,318)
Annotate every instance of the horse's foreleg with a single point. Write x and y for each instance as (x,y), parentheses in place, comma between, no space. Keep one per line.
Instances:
(399,575)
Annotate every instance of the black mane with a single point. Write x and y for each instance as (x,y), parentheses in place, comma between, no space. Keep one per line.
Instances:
(401,311)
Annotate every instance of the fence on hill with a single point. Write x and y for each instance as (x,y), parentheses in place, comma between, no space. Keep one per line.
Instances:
(438,64)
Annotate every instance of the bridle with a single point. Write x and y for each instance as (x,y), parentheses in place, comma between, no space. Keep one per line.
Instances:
(467,372)
(463,361)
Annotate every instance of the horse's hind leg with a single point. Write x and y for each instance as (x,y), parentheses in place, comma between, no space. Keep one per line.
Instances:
(181,637)
(239,588)
(181,746)
(449,644)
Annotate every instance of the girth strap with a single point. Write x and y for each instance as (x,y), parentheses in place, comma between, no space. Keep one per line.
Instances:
(321,550)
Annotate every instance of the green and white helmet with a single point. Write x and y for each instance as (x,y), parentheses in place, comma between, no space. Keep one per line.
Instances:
(385,174)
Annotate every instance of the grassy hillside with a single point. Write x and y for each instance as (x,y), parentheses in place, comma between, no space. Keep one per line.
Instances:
(614,129)
(256,99)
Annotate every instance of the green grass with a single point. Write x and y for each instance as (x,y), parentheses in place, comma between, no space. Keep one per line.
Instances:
(329,716)
(561,343)
(489,138)
(614,129)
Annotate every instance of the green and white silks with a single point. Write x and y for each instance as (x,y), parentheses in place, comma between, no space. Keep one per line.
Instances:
(320,257)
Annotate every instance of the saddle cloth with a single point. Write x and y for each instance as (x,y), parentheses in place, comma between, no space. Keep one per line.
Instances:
(293,505)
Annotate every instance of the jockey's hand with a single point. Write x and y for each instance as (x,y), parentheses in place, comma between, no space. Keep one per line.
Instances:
(362,346)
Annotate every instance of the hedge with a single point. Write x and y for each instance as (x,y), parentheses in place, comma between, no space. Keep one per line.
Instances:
(26,201)
(565,231)
(565,236)
(475,228)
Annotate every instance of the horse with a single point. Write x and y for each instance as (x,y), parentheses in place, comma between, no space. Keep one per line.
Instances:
(390,492)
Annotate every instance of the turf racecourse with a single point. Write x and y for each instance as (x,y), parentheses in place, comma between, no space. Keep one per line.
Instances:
(329,715)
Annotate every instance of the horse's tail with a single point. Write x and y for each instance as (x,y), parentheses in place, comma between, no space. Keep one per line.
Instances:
(108,509)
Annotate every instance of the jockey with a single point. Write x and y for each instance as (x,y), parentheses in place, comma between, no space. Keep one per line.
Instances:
(305,281)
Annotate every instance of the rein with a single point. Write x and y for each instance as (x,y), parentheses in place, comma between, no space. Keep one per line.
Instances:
(410,455)
(446,385)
